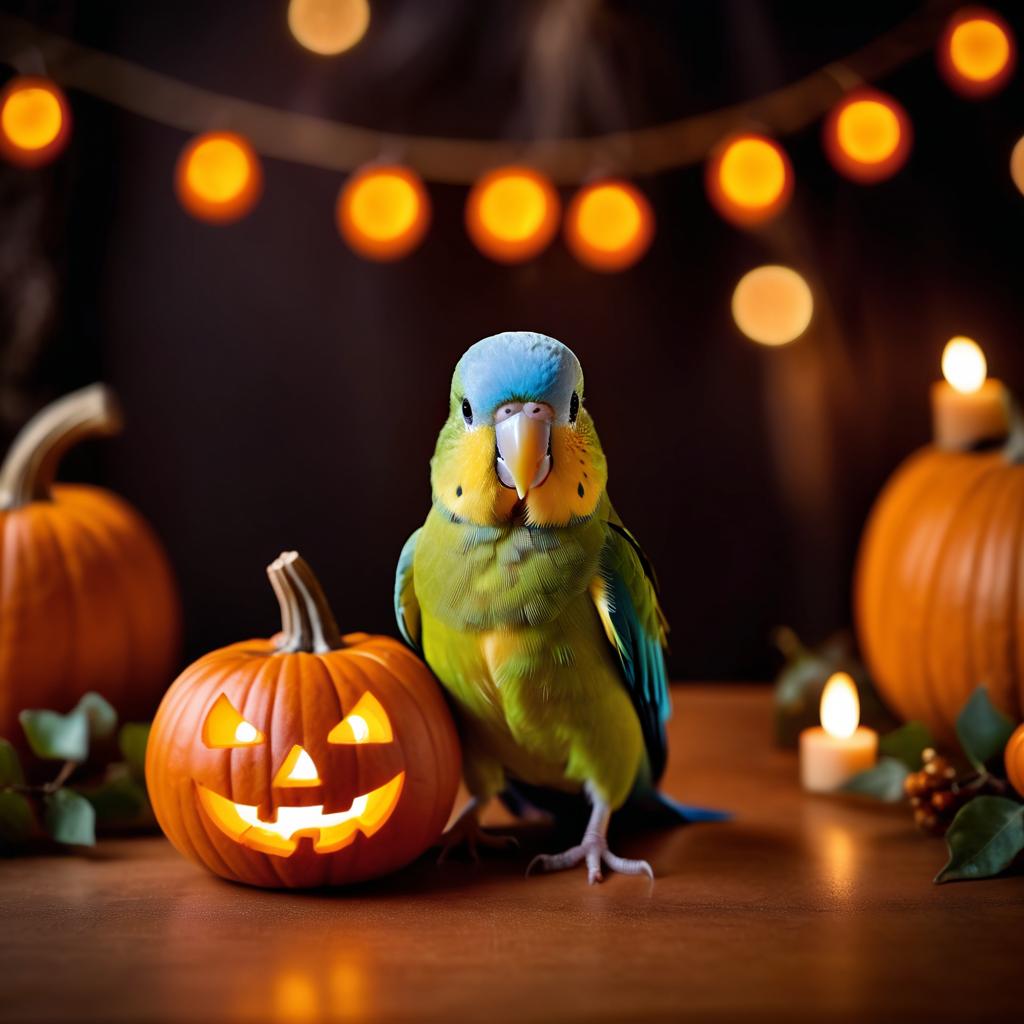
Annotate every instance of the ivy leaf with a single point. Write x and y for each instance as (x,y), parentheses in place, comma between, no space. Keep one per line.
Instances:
(984,838)
(907,743)
(132,740)
(120,798)
(883,782)
(982,729)
(70,818)
(100,713)
(57,737)
(15,819)
(10,765)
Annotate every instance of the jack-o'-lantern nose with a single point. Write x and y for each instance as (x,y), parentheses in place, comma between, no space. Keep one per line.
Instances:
(298,769)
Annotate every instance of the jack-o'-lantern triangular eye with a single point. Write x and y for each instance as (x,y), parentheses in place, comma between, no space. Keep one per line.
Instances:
(225,727)
(367,722)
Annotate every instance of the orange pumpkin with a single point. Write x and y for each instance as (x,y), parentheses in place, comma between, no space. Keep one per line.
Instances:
(1014,759)
(87,598)
(305,760)
(938,597)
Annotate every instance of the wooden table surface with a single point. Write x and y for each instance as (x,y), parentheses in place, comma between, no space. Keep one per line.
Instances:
(800,908)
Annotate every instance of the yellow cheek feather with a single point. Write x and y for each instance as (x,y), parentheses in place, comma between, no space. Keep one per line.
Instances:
(577,479)
(465,480)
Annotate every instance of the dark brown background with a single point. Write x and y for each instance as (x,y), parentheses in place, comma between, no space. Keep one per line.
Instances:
(282,393)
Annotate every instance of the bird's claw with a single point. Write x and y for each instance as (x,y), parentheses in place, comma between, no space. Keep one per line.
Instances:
(466,832)
(593,851)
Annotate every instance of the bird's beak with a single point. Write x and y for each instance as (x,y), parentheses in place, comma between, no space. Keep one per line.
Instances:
(524,452)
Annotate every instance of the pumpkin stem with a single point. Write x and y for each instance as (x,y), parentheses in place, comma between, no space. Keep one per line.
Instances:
(307,622)
(28,471)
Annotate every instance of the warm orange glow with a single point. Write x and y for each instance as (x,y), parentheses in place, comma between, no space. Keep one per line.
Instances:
(867,136)
(298,769)
(977,51)
(328,27)
(772,305)
(225,727)
(383,212)
(218,177)
(964,365)
(840,707)
(367,722)
(749,179)
(609,225)
(1017,164)
(512,214)
(34,121)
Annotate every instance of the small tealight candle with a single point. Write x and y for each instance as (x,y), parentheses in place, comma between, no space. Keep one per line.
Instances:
(840,747)
(968,408)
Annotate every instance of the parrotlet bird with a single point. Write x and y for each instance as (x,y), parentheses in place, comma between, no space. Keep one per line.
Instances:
(534,606)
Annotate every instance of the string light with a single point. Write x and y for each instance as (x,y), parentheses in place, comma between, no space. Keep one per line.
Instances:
(977,51)
(749,179)
(383,212)
(218,177)
(609,225)
(512,214)
(772,305)
(867,136)
(328,27)
(35,121)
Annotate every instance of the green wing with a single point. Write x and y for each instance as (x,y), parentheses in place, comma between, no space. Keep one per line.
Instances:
(407,607)
(627,600)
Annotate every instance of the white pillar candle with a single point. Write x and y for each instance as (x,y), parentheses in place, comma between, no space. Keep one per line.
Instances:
(967,407)
(839,748)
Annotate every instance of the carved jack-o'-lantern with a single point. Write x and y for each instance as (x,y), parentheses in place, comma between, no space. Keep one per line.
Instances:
(305,760)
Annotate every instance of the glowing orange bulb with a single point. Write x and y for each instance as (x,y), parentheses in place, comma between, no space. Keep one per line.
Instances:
(772,305)
(976,54)
(867,136)
(749,179)
(328,27)
(34,121)
(218,177)
(512,214)
(383,212)
(609,225)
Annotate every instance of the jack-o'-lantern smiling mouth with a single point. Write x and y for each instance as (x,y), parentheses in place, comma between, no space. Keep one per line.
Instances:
(329,831)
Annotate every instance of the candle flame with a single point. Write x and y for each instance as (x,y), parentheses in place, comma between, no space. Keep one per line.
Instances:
(964,365)
(840,707)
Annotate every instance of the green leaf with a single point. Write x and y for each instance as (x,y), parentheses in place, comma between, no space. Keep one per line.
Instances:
(100,713)
(907,743)
(10,765)
(984,838)
(982,729)
(57,737)
(132,740)
(15,819)
(883,782)
(70,818)
(120,798)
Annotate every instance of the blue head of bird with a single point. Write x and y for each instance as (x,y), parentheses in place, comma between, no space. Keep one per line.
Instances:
(518,445)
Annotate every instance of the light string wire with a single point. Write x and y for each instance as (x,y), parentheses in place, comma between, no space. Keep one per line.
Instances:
(332,145)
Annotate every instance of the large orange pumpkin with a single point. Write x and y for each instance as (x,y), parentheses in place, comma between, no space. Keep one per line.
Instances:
(87,598)
(939,593)
(305,760)
(1013,757)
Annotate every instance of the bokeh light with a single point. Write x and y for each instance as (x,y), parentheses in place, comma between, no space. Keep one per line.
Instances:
(977,52)
(218,177)
(383,212)
(609,225)
(328,27)
(964,365)
(772,305)
(1017,164)
(512,214)
(749,179)
(868,136)
(35,121)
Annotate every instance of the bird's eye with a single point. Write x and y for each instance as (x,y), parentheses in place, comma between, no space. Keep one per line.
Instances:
(574,407)
(467,411)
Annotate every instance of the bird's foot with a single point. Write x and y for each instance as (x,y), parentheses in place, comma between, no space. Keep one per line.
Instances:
(592,851)
(466,832)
